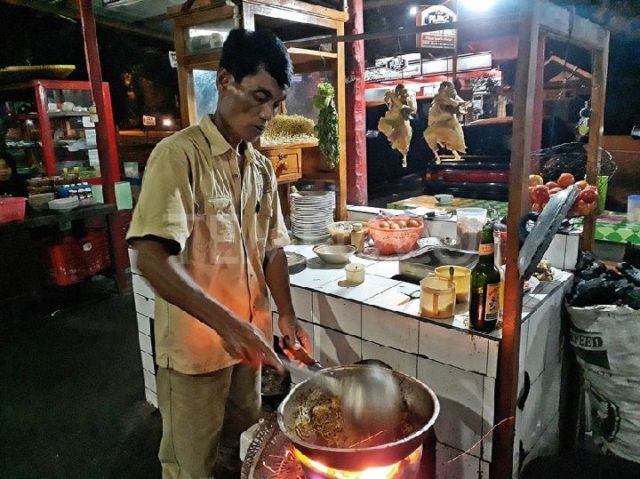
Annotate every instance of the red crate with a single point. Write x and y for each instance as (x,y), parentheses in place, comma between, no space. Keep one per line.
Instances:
(12,209)
(75,259)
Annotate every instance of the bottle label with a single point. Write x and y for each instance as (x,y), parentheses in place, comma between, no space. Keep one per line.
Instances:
(492,305)
(491,302)
(485,249)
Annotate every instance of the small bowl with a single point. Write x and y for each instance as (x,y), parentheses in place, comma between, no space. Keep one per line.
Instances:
(340,231)
(444,199)
(334,254)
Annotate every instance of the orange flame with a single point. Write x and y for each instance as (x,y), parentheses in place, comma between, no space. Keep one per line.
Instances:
(380,472)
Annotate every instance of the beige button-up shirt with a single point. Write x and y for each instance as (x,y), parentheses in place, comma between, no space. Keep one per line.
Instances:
(223,221)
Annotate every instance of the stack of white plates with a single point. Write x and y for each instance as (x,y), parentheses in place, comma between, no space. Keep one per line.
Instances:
(64,205)
(311,213)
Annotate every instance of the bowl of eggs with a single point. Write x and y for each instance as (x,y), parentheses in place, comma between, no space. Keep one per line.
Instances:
(395,235)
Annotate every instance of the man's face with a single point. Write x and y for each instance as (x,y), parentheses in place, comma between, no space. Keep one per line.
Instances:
(246,107)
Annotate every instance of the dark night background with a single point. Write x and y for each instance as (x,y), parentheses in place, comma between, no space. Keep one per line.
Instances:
(30,37)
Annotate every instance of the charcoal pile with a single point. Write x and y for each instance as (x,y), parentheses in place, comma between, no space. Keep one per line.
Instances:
(595,284)
(604,334)
(571,158)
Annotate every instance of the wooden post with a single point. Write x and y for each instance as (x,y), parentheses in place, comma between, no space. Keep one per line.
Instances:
(46,134)
(356,109)
(454,57)
(538,108)
(94,70)
(508,357)
(341,204)
(600,62)
(109,163)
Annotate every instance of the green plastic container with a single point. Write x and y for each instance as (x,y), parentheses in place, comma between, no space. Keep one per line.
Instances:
(603,185)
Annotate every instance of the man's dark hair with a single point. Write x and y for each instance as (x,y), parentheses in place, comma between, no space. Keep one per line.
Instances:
(244,52)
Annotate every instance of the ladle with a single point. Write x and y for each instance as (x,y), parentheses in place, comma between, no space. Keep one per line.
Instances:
(371,401)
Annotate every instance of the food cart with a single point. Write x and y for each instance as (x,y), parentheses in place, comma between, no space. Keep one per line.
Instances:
(499,392)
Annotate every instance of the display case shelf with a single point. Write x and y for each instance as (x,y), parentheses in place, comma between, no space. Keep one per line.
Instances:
(67,114)
(51,125)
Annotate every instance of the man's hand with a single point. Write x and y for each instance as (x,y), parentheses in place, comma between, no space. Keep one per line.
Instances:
(291,329)
(171,281)
(244,341)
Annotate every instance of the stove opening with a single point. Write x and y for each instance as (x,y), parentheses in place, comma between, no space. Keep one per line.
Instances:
(406,468)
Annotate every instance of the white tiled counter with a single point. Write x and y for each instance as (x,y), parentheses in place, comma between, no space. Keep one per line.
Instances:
(347,324)
(562,253)
(145,298)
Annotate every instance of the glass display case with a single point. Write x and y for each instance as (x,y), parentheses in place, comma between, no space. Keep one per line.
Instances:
(48,128)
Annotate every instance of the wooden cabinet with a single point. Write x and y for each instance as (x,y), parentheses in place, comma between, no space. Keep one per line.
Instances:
(287,163)
(199,33)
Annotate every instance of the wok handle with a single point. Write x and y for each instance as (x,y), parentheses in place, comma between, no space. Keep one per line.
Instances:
(301,355)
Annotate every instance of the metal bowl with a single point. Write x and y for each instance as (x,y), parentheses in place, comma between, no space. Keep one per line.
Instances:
(419,398)
(334,254)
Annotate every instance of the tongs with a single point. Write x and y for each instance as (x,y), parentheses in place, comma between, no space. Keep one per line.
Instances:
(300,355)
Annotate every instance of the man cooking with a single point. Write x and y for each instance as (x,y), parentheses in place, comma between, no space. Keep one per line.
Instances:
(209,234)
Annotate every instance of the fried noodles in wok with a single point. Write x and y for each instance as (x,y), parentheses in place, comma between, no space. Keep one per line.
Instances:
(320,420)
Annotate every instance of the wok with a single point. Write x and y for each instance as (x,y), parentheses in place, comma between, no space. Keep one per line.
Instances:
(419,398)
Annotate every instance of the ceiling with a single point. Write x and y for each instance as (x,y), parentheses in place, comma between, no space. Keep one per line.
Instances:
(145,17)
(148,17)
(134,10)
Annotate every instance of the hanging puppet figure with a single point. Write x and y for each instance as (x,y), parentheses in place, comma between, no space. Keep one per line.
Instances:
(395,124)
(444,129)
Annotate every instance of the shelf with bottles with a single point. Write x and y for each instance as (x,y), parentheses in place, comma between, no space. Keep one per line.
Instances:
(21,145)
(51,124)
(74,142)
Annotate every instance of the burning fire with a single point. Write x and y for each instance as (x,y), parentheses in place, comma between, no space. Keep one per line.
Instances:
(381,472)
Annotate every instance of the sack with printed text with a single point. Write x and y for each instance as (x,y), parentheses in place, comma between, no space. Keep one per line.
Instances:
(606,341)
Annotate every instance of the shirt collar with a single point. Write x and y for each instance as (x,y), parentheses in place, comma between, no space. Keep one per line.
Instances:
(217,142)
(219,145)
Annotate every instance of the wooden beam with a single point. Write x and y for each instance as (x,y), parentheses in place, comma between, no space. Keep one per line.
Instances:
(509,352)
(569,27)
(303,7)
(600,62)
(192,18)
(292,14)
(371,4)
(490,24)
(155,19)
(74,13)
(178,10)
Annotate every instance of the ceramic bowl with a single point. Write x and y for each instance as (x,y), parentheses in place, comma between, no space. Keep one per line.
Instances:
(334,254)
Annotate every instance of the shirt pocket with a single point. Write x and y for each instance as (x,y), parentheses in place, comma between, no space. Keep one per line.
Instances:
(216,232)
